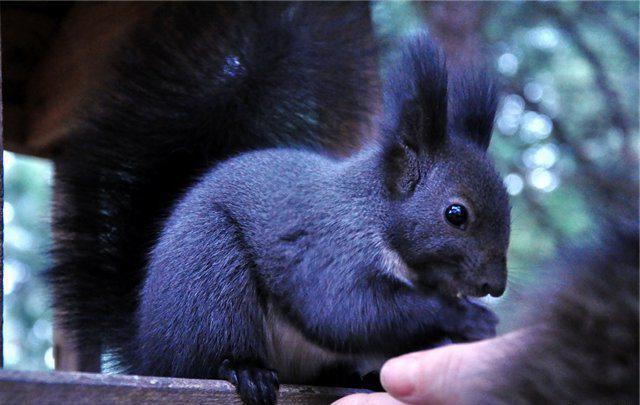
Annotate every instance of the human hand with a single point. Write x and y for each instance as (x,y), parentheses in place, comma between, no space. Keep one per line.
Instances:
(446,375)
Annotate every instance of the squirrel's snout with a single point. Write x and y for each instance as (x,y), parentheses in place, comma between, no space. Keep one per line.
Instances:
(488,287)
(493,281)
(494,289)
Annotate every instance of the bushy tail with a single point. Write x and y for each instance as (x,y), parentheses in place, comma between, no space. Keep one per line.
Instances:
(585,349)
(195,84)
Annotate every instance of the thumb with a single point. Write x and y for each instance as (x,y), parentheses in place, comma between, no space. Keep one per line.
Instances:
(444,375)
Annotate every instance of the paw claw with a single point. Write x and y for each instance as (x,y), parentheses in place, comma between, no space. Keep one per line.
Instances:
(477,323)
(255,385)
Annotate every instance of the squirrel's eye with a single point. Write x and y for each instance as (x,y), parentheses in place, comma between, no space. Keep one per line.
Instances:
(456,215)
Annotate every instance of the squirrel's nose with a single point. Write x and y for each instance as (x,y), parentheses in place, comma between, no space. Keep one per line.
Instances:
(495,289)
(494,280)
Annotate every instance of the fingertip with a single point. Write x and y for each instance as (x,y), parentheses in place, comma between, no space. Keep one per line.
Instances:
(378,398)
(398,376)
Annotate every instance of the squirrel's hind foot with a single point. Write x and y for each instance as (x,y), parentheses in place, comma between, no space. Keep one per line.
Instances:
(255,385)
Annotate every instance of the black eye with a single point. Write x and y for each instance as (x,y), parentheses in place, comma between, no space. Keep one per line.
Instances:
(457,215)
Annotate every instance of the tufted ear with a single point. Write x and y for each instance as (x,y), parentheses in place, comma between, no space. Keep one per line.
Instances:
(415,94)
(473,101)
(415,115)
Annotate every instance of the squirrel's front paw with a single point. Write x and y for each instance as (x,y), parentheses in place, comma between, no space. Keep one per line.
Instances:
(476,322)
(255,385)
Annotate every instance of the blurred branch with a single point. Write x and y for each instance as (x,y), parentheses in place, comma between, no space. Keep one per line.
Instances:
(537,210)
(458,26)
(614,105)
(627,41)
(540,213)
(591,175)
(600,186)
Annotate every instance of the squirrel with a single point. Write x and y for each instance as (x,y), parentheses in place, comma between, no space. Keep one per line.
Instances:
(221,214)
(353,260)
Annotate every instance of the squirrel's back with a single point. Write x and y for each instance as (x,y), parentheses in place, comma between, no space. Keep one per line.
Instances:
(272,191)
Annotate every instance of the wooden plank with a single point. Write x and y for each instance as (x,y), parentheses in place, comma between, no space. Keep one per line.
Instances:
(59,54)
(27,30)
(74,66)
(22,387)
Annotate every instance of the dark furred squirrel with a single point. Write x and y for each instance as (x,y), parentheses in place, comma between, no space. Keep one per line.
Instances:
(352,260)
(282,263)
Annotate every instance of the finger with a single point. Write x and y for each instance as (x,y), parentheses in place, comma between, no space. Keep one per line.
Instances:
(423,377)
(378,398)
(443,375)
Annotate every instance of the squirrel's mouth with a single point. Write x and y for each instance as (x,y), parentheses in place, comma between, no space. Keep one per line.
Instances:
(461,290)
(446,278)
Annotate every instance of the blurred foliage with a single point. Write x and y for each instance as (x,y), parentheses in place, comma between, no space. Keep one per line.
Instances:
(566,141)
(27,327)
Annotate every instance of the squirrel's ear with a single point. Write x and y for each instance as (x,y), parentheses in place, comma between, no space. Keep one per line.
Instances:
(473,101)
(415,109)
(415,94)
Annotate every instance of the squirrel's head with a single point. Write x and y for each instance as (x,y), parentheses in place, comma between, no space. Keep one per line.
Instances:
(449,216)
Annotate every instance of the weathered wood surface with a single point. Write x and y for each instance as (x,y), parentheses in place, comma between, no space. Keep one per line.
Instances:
(56,55)
(21,387)
(27,31)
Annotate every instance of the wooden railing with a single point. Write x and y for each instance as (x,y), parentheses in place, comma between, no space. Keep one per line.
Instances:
(20,387)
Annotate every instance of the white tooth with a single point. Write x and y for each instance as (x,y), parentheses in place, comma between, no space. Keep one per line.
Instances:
(459,295)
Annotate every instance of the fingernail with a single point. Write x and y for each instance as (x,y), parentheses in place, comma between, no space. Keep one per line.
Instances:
(398,376)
